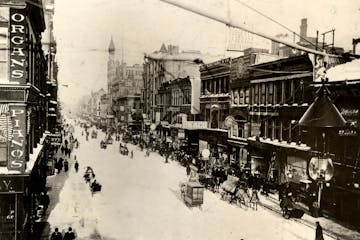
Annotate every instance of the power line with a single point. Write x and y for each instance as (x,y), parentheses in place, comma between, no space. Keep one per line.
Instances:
(237,24)
(273,20)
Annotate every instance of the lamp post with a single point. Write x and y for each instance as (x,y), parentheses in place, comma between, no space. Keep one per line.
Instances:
(322,115)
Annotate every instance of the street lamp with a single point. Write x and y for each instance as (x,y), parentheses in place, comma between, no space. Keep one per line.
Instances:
(322,114)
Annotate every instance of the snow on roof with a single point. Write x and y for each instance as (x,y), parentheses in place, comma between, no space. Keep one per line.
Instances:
(32,158)
(184,56)
(344,72)
(284,144)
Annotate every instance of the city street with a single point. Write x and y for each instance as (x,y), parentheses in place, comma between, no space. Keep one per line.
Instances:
(140,199)
(179,120)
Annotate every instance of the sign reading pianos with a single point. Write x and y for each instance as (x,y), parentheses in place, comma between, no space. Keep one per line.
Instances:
(18,32)
(17,145)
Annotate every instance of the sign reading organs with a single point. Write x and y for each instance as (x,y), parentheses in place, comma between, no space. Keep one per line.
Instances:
(17,146)
(17,32)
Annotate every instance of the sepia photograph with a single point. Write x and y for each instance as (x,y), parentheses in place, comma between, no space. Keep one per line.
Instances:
(179,120)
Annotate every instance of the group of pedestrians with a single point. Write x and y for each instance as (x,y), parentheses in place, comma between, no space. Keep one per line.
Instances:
(69,235)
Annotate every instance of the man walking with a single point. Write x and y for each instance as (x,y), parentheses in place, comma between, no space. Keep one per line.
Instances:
(69,235)
(76,166)
(56,235)
(319,232)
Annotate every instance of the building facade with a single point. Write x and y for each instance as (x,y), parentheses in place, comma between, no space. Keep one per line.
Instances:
(28,98)
(124,84)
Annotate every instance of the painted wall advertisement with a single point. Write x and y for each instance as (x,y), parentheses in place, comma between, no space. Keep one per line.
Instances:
(18,53)
(17,146)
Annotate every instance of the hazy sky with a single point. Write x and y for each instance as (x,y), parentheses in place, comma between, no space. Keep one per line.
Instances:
(83,29)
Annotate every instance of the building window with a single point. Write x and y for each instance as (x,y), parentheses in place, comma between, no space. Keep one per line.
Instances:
(241,94)
(263,93)
(4,53)
(247,95)
(256,94)
(270,97)
(236,97)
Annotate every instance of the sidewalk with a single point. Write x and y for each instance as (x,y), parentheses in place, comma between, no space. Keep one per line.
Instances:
(331,227)
(54,185)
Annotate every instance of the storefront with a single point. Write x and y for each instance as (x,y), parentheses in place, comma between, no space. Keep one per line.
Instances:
(216,140)
(12,206)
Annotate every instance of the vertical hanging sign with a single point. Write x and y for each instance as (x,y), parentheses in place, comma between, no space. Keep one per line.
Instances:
(17,146)
(17,33)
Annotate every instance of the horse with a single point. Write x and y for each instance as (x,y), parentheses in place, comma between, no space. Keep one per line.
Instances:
(243,197)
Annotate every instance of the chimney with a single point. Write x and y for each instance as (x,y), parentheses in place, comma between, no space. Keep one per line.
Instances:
(303,28)
(173,49)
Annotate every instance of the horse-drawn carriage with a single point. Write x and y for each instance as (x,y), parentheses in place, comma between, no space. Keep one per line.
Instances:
(89,177)
(290,209)
(235,191)
(192,193)
(123,149)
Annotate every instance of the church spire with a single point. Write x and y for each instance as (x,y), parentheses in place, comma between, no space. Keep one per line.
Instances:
(111,46)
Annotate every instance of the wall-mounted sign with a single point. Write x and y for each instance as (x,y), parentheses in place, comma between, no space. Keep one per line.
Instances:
(11,184)
(18,52)
(55,139)
(194,125)
(347,132)
(17,147)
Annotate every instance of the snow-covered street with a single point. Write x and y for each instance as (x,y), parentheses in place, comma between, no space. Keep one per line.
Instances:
(140,199)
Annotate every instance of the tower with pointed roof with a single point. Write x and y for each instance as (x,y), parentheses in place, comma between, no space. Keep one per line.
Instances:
(111,65)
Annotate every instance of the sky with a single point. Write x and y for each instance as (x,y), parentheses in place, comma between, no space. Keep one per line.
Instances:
(83,29)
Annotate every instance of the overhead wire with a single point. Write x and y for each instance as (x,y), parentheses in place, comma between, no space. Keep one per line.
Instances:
(275,21)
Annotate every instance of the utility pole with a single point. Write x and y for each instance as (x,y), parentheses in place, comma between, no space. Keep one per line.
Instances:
(333,38)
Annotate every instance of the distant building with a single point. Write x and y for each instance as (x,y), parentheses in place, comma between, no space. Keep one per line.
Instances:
(124,82)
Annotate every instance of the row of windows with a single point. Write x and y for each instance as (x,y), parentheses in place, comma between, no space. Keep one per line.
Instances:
(179,97)
(176,98)
(281,92)
(283,130)
(215,86)
(240,96)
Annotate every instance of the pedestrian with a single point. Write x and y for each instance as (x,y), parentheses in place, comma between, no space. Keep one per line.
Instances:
(131,154)
(66,165)
(61,160)
(188,169)
(76,165)
(45,201)
(62,150)
(69,235)
(319,232)
(56,235)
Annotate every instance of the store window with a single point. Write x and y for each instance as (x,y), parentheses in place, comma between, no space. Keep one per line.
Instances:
(7,216)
